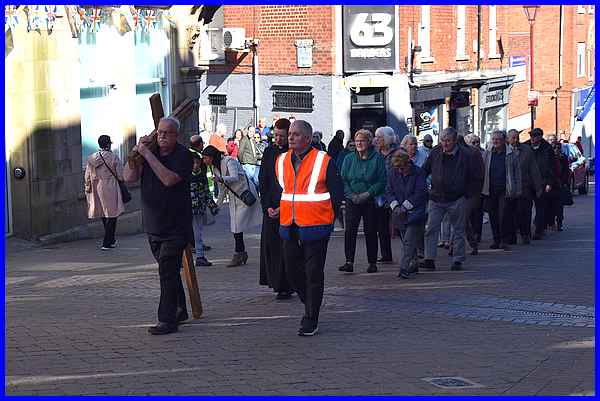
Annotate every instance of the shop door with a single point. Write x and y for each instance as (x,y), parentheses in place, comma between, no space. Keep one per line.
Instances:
(368,109)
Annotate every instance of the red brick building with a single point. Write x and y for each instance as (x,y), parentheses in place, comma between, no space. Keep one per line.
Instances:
(342,67)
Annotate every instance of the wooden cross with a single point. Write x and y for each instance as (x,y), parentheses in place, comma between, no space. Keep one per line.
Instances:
(181,112)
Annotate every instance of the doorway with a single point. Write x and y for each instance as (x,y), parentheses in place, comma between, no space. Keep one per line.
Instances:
(368,109)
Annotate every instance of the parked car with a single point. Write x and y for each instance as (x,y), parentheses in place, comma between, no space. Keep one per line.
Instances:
(579,168)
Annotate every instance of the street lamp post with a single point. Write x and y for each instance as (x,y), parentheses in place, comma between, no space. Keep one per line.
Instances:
(530,13)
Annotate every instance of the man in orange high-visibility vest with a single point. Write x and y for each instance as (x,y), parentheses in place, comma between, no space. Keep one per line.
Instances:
(311,197)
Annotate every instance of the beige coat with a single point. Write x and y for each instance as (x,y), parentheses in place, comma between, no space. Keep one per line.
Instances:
(101,188)
(241,216)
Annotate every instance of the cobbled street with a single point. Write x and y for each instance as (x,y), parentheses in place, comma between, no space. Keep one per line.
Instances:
(514,322)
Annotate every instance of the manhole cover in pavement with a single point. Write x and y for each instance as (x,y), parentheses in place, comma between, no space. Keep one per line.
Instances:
(452,382)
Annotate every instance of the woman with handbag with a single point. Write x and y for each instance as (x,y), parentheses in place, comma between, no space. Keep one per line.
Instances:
(406,195)
(103,180)
(244,208)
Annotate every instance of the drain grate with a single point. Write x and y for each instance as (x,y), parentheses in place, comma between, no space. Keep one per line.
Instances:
(452,382)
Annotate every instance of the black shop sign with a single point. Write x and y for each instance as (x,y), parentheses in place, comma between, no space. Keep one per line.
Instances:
(369,38)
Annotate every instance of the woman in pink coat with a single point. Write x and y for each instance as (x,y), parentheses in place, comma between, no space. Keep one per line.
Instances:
(102,189)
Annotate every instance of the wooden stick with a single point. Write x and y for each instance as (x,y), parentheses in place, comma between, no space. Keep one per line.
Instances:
(189,272)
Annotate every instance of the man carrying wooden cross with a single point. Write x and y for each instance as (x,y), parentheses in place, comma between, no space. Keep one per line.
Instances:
(167,215)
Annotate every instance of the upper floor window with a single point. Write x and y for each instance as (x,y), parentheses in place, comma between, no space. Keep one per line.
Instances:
(424,34)
(460,32)
(493,51)
(580,59)
(580,9)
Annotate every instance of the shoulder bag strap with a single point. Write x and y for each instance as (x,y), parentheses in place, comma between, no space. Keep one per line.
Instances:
(109,169)
(231,190)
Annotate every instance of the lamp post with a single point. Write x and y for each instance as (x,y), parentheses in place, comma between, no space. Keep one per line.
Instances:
(530,13)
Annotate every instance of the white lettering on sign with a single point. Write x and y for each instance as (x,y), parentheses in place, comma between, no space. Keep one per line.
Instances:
(371,52)
(376,32)
(494,97)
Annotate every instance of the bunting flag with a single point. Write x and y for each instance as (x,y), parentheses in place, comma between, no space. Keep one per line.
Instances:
(10,17)
(167,15)
(34,20)
(123,26)
(95,19)
(82,20)
(50,16)
(148,20)
(135,13)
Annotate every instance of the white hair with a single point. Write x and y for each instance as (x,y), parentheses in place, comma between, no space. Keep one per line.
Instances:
(173,121)
(389,136)
(408,138)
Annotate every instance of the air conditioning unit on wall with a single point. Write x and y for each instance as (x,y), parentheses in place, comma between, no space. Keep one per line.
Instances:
(234,38)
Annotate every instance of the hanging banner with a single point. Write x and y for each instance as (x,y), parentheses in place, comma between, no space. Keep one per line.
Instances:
(50,16)
(34,21)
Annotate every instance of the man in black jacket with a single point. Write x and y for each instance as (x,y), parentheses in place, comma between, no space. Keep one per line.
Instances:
(336,144)
(544,158)
(272,270)
(455,177)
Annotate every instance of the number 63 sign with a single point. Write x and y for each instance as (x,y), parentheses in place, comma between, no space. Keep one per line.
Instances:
(369,38)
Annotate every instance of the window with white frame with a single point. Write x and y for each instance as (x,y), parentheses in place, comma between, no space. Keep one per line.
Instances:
(492,33)
(590,9)
(580,59)
(424,34)
(460,32)
(580,9)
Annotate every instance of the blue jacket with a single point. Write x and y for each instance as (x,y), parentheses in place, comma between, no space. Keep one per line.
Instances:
(412,188)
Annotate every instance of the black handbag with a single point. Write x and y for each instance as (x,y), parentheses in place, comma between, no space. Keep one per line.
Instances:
(247,196)
(125,195)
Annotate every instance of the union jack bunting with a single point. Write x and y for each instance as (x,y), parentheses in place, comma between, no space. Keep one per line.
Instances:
(10,16)
(135,13)
(50,16)
(34,20)
(148,20)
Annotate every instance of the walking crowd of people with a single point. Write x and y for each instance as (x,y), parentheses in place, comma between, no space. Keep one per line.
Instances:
(286,179)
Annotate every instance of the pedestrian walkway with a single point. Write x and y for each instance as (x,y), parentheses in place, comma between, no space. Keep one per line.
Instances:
(515,322)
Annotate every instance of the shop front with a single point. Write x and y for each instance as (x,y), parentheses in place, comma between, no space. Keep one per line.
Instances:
(494,97)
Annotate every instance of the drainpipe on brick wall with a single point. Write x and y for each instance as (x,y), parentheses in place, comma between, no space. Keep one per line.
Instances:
(560,59)
(478,38)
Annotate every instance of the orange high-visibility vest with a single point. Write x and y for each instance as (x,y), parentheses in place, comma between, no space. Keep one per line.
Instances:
(305,200)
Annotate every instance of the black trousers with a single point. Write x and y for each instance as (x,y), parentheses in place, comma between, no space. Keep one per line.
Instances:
(474,220)
(168,252)
(541,210)
(520,216)
(304,264)
(110,226)
(354,213)
(497,211)
(555,207)
(272,266)
(382,218)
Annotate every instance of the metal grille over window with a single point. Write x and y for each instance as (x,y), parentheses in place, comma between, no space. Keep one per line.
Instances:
(217,99)
(298,101)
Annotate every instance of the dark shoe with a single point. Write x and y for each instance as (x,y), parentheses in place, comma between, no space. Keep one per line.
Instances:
(113,245)
(413,267)
(456,266)
(451,251)
(404,274)
(238,259)
(207,248)
(474,252)
(537,236)
(385,261)
(512,241)
(308,327)
(372,268)
(346,267)
(162,328)
(182,316)
(284,295)
(495,245)
(525,239)
(203,262)
(504,247)
(428,264)
(441,244)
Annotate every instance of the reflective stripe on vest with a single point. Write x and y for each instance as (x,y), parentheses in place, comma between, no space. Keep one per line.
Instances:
(300,201)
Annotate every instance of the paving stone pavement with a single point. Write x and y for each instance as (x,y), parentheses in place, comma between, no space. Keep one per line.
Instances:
(515,322)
